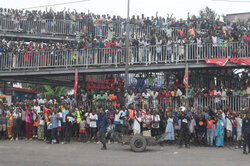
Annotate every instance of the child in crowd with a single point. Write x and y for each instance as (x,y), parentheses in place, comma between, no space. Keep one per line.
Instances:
(82,129)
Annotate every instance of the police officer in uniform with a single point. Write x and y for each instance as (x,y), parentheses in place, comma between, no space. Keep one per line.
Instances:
(246,133)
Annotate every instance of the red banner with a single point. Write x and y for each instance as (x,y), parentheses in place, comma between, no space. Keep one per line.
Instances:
(220,62)
(76,82)
(241,61)
(185,78)
(109,83)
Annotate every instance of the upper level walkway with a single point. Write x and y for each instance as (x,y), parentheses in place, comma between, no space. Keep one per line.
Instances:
(108,60)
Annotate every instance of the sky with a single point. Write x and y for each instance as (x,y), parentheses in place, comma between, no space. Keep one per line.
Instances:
(179,8)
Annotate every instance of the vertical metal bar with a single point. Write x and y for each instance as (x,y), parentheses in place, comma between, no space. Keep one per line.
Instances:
(127,47)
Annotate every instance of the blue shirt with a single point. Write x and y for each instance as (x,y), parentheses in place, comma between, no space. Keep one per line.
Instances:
(3,119)
(104,124)
(64,114)
(98,122)
(140,82)
(55,121)
(246,126)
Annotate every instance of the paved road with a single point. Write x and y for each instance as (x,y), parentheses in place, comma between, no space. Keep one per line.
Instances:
(35,153)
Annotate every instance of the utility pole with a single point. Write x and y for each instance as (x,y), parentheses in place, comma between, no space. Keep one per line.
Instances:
(127,49)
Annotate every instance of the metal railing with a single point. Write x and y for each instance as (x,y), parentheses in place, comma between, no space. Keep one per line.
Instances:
(74,27)
(235,103)
(115,56)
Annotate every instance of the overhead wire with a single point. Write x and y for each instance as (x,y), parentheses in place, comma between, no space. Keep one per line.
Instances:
(57,4)
(235,1)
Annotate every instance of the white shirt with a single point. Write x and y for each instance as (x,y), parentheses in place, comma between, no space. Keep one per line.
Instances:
(248,90)
(214,39)
(117,116)
(154,95)
(60,116)
(224,95)
(137,125)
(217,93)
(41,101)
(87,117)
(145,95)
(156,120)
(183,108)
(37,109)
(93,123)
(239,124)
(229,125)
(192,126)
(178,93)
(130,98)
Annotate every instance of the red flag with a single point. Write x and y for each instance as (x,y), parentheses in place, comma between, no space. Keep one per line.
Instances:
(241,61)
(220,61)
(76,82)
(185,78)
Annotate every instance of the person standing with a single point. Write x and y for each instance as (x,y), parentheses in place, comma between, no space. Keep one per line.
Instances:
(23,122)
(103,129)
(246,133)
(155,127)
(220,132)
(170,129)
(210,131)
(55,123)
(239,130)
(93,125)
(69,126)
(16,123)
(184,130)
(41,124)
(29,122)
(200,129)
(65,112)
(137,123)
(3,122)
(9,123)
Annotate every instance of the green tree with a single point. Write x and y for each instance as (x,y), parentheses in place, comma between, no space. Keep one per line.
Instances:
(55,92)
(36,87)
(207,13)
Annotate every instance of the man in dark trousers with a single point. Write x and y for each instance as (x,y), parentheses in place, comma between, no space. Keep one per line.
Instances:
(184,130)
(246,133)
(103,129)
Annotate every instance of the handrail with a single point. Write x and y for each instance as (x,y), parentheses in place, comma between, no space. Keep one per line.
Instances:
(142,55)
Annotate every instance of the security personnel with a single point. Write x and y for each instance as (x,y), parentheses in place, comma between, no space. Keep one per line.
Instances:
(246,133)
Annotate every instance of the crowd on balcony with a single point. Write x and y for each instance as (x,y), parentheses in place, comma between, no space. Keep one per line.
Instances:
(155,39)
(153,31)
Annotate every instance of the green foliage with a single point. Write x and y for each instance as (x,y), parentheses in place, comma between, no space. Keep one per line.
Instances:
(36,87)
(54,92)
(242,22)
(207,13)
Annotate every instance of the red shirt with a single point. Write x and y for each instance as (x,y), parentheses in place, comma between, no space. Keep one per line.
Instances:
(181,32)
(210,124)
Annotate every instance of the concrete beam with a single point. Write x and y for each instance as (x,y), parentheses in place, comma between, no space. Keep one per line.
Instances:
(111,69)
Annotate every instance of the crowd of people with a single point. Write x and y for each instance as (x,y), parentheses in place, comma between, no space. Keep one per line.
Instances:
(107,116)
(91,119)
(152,40)
(162,30)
